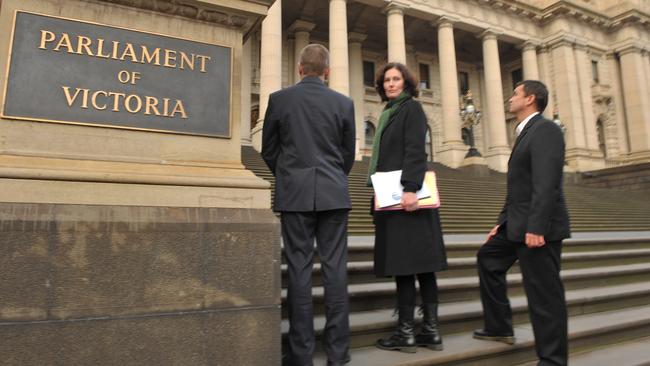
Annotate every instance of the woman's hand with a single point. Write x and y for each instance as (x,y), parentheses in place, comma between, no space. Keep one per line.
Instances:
(409,201)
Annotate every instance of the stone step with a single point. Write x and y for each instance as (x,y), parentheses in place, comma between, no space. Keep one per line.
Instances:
(360,248)
(362,271)
(361,203)
(381,295)
(364,231)
(470,204)
(368,326)
(585,331)
(631,353)
(452,219)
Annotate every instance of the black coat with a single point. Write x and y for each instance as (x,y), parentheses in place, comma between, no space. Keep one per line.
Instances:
(308,143)
(535,201)
(407,242)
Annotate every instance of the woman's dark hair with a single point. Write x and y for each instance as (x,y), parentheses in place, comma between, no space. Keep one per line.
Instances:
(538,89)
(410,85)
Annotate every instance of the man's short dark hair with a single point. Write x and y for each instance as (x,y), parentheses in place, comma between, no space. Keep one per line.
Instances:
(314,59)
(410,85)
(538,89)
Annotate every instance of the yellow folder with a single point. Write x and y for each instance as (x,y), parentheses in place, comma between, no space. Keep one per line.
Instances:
(432,201)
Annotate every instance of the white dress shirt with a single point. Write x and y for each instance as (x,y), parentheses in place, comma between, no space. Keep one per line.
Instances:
(522,124)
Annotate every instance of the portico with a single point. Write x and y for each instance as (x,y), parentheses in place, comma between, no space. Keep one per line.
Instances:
(473,46)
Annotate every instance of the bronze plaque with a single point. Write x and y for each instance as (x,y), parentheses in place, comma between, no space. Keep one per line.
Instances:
(71,71)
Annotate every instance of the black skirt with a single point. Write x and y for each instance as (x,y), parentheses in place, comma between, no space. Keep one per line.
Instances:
(408,243)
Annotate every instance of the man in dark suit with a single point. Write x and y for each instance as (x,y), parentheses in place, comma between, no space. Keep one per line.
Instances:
(530,228)
(308,143)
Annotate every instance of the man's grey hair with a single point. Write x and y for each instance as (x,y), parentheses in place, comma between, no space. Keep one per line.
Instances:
(314,59)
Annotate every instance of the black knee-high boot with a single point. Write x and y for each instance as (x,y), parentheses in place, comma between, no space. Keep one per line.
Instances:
(430,335)
(403,339)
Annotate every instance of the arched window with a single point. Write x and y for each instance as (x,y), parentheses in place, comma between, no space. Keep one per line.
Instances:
(369,135)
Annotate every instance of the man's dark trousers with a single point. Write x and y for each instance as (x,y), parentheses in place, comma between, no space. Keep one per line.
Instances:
(329,228)
(540,269)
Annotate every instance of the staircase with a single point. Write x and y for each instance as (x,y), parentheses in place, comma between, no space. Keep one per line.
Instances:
(606,273)
(472,204)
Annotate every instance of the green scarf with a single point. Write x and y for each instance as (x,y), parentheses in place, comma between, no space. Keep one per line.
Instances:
(388,112)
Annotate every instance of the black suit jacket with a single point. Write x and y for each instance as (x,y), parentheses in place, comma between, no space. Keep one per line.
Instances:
(308,143)
(535,201)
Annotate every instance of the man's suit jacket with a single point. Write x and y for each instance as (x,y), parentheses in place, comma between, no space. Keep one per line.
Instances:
(535,201)
(308,143)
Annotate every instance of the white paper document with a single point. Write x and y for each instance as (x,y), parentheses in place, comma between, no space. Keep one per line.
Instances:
(389,189)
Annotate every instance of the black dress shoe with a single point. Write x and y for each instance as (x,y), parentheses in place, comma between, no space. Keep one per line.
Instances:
(486,335)
(339,363)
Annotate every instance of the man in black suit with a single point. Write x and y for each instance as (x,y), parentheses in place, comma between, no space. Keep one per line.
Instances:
(530,228)
(308,143)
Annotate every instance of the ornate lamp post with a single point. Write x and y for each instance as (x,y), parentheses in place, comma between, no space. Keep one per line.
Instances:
(470,117)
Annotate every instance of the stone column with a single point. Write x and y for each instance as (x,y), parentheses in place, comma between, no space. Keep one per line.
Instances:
(498,151)
(300,29)
(245,124)
(270,65)
(646,57)
(619,108)
(396,37)
(636,93)
(544,60)
(339,79)
(568,98)
(357,89)
(583,70)
(453,150)
(288,52)
(529,61)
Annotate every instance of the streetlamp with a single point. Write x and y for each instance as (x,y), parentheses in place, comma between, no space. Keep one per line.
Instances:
(470,117)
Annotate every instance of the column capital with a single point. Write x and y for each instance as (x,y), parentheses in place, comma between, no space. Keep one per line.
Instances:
(561,40)
(490,33)
(629,47)
(301,26)
(395,7)
(356,37)
(529,45)
(580,45)
(445,21)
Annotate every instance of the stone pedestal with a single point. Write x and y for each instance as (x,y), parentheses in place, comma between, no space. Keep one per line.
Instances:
(476,165)
(134,246)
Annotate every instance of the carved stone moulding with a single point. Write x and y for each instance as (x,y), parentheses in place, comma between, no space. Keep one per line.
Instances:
(189,10)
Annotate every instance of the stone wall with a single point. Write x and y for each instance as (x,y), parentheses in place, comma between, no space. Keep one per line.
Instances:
(630,177)
(115,285)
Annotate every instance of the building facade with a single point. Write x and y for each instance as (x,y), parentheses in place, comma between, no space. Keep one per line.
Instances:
(594,55)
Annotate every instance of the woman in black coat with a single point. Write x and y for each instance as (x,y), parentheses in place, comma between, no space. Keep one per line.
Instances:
(408,242)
